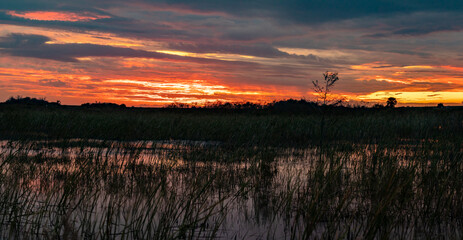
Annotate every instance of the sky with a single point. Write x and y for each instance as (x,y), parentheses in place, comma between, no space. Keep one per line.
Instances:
(157,52)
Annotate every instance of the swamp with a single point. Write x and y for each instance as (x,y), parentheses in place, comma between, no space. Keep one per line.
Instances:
(76,173)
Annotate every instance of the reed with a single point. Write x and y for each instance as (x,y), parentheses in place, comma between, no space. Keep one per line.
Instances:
(164,175)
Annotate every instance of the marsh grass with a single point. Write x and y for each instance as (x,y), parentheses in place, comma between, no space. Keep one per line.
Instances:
(152,190)
(368,126)
(95,193)
(164,175)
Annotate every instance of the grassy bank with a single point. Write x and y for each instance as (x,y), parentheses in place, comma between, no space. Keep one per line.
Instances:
(258,128)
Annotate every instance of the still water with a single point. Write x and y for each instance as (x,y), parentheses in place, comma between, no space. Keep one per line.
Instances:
(92,189)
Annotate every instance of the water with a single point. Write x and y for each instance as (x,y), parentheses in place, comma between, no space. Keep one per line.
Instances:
(180,189)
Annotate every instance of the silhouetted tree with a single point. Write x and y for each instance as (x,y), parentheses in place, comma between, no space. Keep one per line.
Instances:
(391,102)
(324,88)
(31,101)
(440,105)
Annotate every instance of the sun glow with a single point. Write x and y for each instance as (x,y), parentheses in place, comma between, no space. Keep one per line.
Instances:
(194,87)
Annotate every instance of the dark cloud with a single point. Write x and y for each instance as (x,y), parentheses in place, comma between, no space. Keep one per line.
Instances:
(113,24)
(35,46)
(17,40)
(298,10)
(301,12)
(314,11)
(258,23)
(413,24)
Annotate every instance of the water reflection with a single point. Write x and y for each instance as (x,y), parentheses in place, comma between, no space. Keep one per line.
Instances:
(182,189)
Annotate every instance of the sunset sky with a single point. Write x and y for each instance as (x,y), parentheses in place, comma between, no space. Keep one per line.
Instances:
(152,53)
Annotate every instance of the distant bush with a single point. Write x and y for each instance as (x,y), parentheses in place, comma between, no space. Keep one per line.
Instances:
(281,106)
(289,105)
(178,105)
(228,105)
(292,105)
(103,105)
(31,101)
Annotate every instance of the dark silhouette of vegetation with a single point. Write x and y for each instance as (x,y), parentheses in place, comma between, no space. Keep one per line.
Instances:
(378,105)
(288,106)
(293,106)
(242,106)
(391,102)
(281,123)
(323,88)
(440,105)
(233,127)
(31,101)
(103,105)
(178,105)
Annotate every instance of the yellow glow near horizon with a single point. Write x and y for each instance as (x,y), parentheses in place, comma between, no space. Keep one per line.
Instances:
(416,97)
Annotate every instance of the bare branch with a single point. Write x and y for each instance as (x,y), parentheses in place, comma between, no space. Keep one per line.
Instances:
(323,89)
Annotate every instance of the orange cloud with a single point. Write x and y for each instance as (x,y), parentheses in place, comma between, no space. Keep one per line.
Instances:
(142,81)
(57,16)
(151,82)
(139,82)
